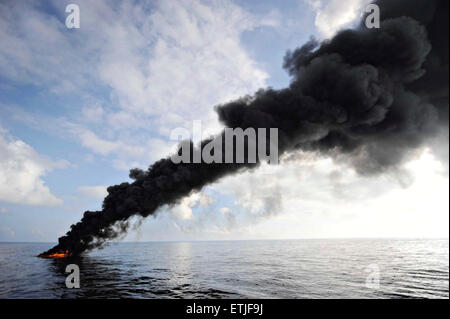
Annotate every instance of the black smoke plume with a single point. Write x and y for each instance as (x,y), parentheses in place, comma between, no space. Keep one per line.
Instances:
(372,96)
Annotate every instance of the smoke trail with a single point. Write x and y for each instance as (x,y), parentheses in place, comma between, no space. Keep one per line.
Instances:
(371,95)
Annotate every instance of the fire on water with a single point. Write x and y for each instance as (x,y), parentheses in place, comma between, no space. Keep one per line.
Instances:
(57,255)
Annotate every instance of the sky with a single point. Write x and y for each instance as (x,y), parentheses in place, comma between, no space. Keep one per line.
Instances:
(80,107)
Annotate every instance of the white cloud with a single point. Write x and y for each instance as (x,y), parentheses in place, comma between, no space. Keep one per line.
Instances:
(183,210)
(173,65)
(96,144)
(334,15)
(92,113)
(21,172)
(130,150)
(314,197)
(97,192)
(225,210)
(165,64)
(36,49)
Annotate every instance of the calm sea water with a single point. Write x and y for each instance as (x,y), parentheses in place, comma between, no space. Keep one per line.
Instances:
(240,269)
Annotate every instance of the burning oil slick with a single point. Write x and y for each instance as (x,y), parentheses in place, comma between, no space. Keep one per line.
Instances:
(370,96)
(56,255)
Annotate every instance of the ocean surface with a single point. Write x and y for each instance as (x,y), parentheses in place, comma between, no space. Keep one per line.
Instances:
(328,268)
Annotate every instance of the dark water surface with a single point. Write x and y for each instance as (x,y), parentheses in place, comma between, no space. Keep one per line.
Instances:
(328,268)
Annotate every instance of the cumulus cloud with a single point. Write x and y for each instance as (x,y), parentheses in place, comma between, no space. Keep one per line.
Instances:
(334,15)
(21,173)
(97,192)
(184,209)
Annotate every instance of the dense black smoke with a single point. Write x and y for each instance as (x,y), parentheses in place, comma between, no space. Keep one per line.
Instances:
(370,95)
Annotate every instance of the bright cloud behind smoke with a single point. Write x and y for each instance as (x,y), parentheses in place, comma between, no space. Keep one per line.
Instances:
(334,15)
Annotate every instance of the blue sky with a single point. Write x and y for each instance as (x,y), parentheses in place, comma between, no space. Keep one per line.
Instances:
(80,107)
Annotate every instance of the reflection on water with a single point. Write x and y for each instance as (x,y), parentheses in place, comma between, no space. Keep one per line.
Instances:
(245,269)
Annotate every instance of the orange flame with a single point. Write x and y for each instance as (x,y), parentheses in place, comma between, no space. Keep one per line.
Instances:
(60,254)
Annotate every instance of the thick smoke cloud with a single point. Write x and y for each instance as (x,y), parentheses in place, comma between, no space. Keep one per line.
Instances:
(373,96)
